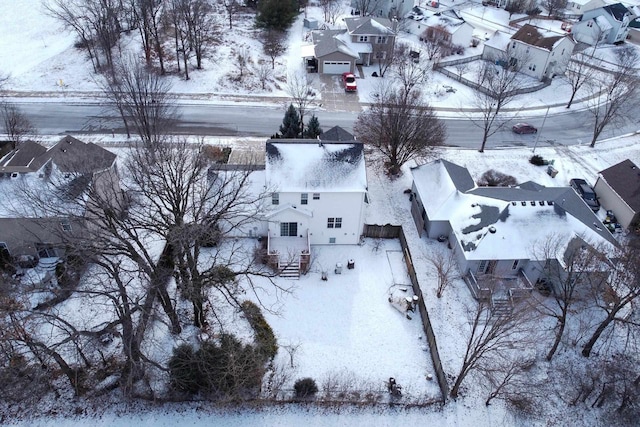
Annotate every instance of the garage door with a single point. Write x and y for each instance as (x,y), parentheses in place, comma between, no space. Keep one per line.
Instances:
(336,67)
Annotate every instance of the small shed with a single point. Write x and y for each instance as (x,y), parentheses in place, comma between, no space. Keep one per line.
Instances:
(618,190)
(311,23)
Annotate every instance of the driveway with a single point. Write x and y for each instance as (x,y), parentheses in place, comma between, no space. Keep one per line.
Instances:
(334,98)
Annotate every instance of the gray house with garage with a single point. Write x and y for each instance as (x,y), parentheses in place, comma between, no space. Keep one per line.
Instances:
(365,40)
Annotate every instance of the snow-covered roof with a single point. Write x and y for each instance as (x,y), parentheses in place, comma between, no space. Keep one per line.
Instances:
(448,19)
(538,37)
(493,223)
(326,42)
(369,25)
(308,165)
(29,156)
(499,40)
(624,179)
(602,23)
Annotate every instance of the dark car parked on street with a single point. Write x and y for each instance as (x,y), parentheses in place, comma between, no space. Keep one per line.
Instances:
(521,128)
(585,191)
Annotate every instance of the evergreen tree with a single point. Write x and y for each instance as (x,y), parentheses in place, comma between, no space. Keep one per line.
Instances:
(313,129)
(276,14)
(290,127)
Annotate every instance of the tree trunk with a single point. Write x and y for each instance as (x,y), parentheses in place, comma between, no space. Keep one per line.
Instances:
(556,343)
(573,94)
(586,350)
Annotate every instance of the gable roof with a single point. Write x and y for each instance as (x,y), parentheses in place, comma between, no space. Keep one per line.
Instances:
(28,157)
(336,134)
(72,155)
(493,223)
(369,25)
(308,166)
(617,10)
(624,179)
(533,36)
(328,41)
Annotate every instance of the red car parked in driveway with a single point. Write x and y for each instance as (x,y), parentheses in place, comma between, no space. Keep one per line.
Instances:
(349,82)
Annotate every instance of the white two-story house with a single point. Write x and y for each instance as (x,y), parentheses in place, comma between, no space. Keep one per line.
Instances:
(538,52)
(318,197)
(608,24)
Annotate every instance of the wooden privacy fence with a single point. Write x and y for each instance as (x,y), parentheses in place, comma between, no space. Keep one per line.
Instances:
(389,231)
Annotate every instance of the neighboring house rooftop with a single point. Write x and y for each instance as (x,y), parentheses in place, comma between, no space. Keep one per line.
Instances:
(337,134)
(72,155)
(448,19)
(369,25)
(617,10)
(29,156)
(537,37)
(504,222)
(309,166)
(602,23)
(624,179)
(499,40)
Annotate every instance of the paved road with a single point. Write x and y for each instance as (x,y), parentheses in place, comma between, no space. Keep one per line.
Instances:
(51,118)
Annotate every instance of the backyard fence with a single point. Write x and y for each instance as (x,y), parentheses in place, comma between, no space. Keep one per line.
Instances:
(440,68)
(389,231)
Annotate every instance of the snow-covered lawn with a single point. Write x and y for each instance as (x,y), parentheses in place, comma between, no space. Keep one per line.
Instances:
(346,329)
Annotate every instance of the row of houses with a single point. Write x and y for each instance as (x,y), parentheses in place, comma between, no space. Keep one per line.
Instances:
(318,195)
(545,53)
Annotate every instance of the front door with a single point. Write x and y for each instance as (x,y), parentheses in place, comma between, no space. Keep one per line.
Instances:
(288,229)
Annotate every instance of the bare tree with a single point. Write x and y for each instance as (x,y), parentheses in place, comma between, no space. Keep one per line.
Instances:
(142,99)
(436,39)
(202,28)
(147,16)
(243,59)
(619,89)
(565,278)
(433,48)
(401,127)
(496,88)
(509,378)
(301,92)
(264,73)
(273,45)
(366,7)
(554,7)
(16,124)
(444,267)
(518,6)
(581,69)
(232,7)
(616,290)
(493,335)
(409,72)
(334,11)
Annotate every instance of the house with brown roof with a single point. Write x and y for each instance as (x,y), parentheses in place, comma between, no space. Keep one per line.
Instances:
(59,175)
(618,190)
(540,53)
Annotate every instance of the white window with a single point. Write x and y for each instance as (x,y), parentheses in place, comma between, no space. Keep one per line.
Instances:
(304,198)
(275,198)
(316,196)
(334,222)
(515,265)
(363,39)
(66,225)
(381,40)
(332,239)
(381,55)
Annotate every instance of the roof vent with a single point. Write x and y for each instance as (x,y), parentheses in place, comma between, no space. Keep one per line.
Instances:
(492,230)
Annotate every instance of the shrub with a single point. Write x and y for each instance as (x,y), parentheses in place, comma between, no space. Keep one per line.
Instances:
(305,387)
(536,160)
(224,369)
(184,369)
(493,178)
(265,338)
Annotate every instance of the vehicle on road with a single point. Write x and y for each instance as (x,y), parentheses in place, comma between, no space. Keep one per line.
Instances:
(522,128)
(585,191)
(349,82)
